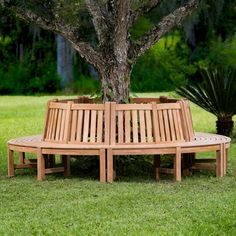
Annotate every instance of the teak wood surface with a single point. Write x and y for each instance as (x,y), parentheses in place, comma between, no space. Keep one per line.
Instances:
(149,126)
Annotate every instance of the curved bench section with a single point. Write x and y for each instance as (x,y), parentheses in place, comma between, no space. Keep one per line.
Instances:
(70,129)
(144,129)
(148,126)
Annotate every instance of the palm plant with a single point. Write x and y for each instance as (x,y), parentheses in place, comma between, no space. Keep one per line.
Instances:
(215,93)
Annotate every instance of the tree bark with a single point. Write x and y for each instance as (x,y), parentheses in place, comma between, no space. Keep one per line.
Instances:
(115,52)
(115,83)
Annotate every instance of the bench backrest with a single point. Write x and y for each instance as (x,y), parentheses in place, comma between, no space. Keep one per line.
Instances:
(186,116)
(145,123)
(72,122)
(90,123)
(167,121)
(69,122)
(56,123)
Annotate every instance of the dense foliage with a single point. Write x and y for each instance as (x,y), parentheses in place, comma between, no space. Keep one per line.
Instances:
(216,93)
(28,63)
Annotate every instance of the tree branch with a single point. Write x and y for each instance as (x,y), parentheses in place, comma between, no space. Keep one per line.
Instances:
(121,42)
(84,48)
(99,21)
(164,26)
(142,10)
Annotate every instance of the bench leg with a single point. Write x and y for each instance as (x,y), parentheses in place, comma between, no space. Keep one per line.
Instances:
(188,163)
(109,165)
(157,164)
(51,160)
(10,163)
(102,160)
(220,162)
(22,158)
(66,165)
(177,165)
(40,165)
(226,160)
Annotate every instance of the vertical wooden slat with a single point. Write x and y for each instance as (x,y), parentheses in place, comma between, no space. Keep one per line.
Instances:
(55,124)
(180,126)
(93,126)
(156,130)
(73,125)
(176,125)
(127,126)
(107,121)
(67,122)
(50,123)
(190,120)
(142,126)
(184,120)
(59,122)
(135,126)
(113,123)
(172,128)
(86,125)
(120,127)
(79,125)
(46,126)
(149,126)
(62,126)
(100,126)
(161,125)
(166,125)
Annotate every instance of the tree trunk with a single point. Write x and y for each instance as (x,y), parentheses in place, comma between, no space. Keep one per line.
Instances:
(224,125)
(115,83)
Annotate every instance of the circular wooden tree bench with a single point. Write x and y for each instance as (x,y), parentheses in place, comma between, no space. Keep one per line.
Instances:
(147,126)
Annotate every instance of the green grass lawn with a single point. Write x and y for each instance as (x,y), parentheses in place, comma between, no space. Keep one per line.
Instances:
(133,205)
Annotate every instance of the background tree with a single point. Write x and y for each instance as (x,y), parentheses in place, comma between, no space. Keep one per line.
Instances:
(64,61)
(115,51)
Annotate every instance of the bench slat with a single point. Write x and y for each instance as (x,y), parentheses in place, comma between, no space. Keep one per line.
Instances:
(73,126)
(86,125)
(172,129)
(149,126)
(120,127)
(93,126)
(135,125)
(100,126)
(127,126)
(161,126)
(142,126)
(156,131)
(79,126)
(166,125)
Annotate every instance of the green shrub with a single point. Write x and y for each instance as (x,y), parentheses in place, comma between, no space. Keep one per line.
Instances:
(14,80)
(22,78)
(85,85)
(161,69)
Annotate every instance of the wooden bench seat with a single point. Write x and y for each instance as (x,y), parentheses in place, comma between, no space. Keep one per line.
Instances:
(190,162)
(70,129)
(148,126)
(143,129)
